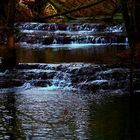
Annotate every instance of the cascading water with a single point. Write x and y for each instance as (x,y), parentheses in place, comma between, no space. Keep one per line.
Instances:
(66,77)
(74,35)
(61,81)
(70,35)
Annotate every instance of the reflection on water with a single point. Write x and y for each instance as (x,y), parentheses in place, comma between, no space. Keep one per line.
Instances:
(93,54)
(10,125)
(37,114)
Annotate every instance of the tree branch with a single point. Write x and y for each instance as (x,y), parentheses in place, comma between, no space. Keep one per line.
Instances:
(70,11)
(59,8)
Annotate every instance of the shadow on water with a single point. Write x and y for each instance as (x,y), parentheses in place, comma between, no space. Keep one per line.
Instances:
(116,119)
(10,126)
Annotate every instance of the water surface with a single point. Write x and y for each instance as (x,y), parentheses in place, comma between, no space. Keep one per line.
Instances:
(40,114)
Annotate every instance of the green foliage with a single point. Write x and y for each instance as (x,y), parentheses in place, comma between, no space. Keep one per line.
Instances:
(118,16)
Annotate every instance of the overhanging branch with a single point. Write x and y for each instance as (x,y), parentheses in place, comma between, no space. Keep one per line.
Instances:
(70,11)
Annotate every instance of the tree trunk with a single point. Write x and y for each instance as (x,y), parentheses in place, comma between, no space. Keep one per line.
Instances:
(132,24)
(9,54)
(10,22)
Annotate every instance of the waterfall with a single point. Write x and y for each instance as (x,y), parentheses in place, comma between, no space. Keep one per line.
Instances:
(72,76)
(61,81)
(71,34)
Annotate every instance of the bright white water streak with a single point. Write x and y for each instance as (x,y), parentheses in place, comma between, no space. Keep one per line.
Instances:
(71,36)
(55,32)
(68,46)
(93,31)
(70,26)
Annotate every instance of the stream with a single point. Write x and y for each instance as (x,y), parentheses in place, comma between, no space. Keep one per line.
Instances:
(66,86)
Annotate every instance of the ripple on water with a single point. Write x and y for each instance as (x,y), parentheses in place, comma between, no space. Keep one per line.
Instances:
(51,114)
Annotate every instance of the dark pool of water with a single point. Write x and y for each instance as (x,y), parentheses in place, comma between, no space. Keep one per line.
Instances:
(87,54)
(38,114)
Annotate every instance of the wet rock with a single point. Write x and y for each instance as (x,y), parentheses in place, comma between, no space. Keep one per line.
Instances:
(31,39)
(48,40)
(10,83)
(42,83)
(121,84)
(60,68)
(51,75)
(94,85)
(62,27)
(27,66)
(116,74)
(67,40)
(44,76)
(80,76)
